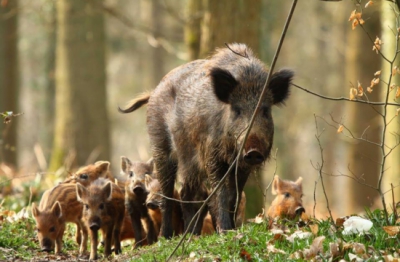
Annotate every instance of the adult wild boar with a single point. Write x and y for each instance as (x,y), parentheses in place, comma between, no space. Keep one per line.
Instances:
(197,118)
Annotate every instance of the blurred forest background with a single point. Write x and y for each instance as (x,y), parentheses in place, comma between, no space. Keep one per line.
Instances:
(68,64)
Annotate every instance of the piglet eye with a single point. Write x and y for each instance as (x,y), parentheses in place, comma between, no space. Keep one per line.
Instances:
(52,229)
(86,207)
(287,195)
(101,206)
(83,176)
(37,229)
(130,174)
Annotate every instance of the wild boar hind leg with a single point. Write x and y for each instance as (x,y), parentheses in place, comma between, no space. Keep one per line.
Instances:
(193,191)
(166,170)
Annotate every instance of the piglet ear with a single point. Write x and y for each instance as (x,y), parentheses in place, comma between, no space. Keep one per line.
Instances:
(279,85)
(35,210)
(107,191)
(147,180)
(223,83)
(125,164)
(299,182)
(80,192)
(102,165)
(276,185)
(57,210)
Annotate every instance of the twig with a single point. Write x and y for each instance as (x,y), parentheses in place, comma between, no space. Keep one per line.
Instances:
(315,198)
(320,168)
(345,99)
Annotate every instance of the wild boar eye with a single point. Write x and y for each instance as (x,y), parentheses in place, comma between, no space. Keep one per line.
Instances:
(130,174)
(101,206)
(37,229)
(287,195)
(86,207)
(266,111)
(83,176)
(52,229)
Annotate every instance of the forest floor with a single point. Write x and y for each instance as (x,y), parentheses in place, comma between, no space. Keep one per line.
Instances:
(257,240)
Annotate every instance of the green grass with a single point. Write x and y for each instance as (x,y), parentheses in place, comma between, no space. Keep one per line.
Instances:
(248,242)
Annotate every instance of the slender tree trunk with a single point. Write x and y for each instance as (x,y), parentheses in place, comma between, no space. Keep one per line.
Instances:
(391,176)
(194,13)
(363,158)
(81,119)
(227,21)
(9,80)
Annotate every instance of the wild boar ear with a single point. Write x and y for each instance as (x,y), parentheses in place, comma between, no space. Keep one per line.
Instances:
(276,185)
(147,180)
(80,192)
(102,165)
(279,85)
(223,83)
(56,209)
(35,210)
(107,191)
(125,164)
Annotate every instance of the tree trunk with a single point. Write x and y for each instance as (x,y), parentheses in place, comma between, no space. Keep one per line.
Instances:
(392,167)
(363,158)
(228,21)
(193,28)
(8,80)
(81,125)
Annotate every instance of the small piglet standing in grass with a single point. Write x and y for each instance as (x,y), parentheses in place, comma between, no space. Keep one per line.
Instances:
(287,202)
(135,199)
(197,119)
(58,206)
(103,209)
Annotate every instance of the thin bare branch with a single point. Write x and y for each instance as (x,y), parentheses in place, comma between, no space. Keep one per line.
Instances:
(345,99)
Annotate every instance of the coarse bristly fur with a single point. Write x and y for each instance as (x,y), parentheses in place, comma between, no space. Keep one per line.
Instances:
(103,209)
(196,119)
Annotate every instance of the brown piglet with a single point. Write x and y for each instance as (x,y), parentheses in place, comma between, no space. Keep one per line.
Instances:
(87,174)
(287,202)
(154,204)
(58,206)
(135,199)
(103,209)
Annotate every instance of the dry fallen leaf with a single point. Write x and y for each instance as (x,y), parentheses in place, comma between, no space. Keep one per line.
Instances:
(358,248)
(377,73)
(369,89)
(340,129)
(369,4)
(353,93)
(377,45)
(360,90)
(392,230)
(392,86)
(398,92)
(299,235)
(314,229)
(334,249)
(394,70)
(245,255)
(272,249)
(315,248)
